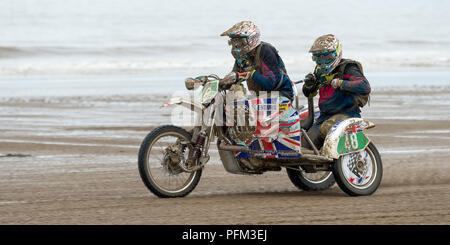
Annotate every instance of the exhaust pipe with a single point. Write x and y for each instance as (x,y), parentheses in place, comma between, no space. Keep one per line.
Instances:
(226,147)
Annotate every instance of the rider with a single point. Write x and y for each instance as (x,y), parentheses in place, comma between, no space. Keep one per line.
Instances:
(340,83)
(258,62)
(260,65)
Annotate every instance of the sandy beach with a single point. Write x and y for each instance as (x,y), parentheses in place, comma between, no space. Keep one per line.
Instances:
(82,82)
(73,160)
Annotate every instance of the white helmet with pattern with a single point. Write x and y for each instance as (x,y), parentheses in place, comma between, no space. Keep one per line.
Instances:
(326,52)
(244,35)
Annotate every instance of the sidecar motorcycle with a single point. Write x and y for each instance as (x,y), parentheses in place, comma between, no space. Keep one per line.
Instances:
(171,158)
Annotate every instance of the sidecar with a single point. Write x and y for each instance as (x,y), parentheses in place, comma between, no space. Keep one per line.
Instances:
(278,133)
(277,129)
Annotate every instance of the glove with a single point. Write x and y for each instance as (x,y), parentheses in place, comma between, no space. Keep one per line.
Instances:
(230,77)
(229,80)
(310,80)
(336,83)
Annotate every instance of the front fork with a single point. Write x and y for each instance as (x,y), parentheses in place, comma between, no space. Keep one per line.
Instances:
(201,140)
(198,141)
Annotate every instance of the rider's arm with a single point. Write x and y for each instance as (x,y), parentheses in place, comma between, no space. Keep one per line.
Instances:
(270,70)
(354,81)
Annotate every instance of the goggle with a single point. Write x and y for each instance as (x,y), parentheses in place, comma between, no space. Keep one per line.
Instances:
(324,58)
(238,42)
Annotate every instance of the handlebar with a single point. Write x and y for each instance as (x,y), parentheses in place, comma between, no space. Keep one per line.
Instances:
(307,122)
(202,80)
(190,84)
(231,78)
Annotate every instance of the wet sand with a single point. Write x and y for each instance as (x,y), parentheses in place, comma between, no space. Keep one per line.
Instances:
(73,160)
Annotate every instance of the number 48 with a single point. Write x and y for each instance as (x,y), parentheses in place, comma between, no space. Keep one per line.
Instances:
(351,141)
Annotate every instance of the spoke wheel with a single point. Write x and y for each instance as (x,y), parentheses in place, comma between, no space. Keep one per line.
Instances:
(160,156)
(359,173)
(320,180)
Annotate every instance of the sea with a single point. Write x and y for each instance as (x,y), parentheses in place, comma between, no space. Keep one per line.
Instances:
(107,47)
(95,73)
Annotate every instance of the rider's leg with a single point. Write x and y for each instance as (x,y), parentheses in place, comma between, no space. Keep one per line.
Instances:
(318,132)
(326,126)
(314,135)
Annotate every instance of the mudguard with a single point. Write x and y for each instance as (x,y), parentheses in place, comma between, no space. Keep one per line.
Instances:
(346,137)
(207,93)
(186,102)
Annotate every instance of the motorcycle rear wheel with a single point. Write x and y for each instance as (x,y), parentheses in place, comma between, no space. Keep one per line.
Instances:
(321,180)
(359,174)
(159,174)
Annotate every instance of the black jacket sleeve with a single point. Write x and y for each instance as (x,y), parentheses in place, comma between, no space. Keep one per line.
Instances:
(354,81)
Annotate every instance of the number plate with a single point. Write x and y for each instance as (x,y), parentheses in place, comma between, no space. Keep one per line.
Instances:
(352,142)
(209,91)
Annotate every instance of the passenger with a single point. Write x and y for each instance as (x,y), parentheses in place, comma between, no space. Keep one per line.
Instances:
(341,85)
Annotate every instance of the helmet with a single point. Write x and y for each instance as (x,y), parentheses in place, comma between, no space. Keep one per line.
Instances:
(326,52)
(244,36)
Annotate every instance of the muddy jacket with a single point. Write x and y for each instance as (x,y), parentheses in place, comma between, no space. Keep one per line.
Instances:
(341,100)
(270,73)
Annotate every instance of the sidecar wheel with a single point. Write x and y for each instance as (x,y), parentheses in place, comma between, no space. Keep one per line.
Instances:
(321,180)
(359,174)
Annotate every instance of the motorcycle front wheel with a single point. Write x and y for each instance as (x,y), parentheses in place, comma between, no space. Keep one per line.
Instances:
(359,174)
(160,155)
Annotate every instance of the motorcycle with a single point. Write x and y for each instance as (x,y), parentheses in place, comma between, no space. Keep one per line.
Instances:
(171,158)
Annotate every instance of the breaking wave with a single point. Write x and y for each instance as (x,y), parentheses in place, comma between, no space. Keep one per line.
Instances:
(50,60)
(146,65)
(18,52)
(108,67)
